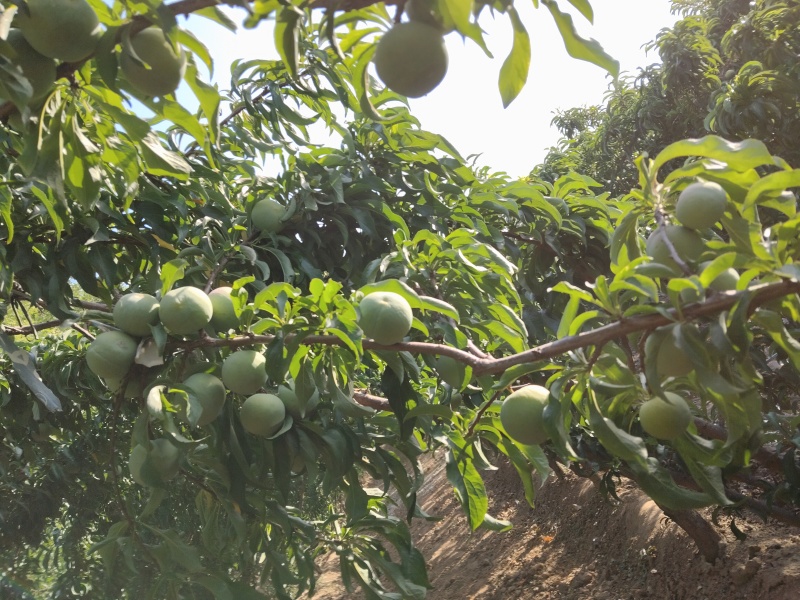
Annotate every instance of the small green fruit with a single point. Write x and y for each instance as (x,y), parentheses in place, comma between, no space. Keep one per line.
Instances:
(210,392)
(185,310)
(67,30)
(521,414)
(267,215)
(725,281)
(665,418)
(291,402)
(671,361)
(688,244)
(163,67)
(244,371)
(262,414)
(156,465)
(134,313)
(411,58)
(386,317)
(37,68)
(224,317)
(700,205)
(132,390)
(451,371)
(111,354)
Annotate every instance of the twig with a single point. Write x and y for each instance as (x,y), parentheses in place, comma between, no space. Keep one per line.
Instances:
(482,410)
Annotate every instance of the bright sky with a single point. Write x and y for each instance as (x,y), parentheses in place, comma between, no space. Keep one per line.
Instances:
(466,108)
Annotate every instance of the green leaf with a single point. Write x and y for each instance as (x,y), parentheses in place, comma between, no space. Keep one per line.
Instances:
(287,30)
(438,306)
(23,364)
(398,287)
(182,553)
(171,273)
(514,72)
(618,442)
(740,156)
(578,47)
(570,312)
(469,489)
(163,162)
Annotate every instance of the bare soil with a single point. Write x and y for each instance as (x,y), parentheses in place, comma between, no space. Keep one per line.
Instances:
(576,544)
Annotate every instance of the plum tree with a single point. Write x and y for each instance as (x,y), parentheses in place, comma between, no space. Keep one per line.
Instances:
(151,64)
(67,30)
(210,392)
(701,204)
(518,281)
(411,58)
(451,371)
(154,464)
(262,414)
(521,414)
(244,371)
(687,243)
(185,310)
(386,317)
(267,215)
(111,354)
(134,313)
(39,70)
(665,417)
(224,316)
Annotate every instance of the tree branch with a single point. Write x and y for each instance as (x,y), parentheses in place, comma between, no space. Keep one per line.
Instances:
(484,366)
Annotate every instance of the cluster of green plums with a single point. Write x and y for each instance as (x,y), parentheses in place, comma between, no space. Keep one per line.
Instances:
(46,32)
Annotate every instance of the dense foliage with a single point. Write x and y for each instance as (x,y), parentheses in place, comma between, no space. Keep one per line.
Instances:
(519,281)
(728,67)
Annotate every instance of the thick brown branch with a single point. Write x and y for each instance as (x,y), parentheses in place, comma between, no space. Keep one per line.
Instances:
(376,402)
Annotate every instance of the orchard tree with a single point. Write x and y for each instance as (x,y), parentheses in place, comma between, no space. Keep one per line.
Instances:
(728,67)
(212,375)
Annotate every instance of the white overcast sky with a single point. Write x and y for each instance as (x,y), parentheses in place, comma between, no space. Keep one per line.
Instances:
(466,108)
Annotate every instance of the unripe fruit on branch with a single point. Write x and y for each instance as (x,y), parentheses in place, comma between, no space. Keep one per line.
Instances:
(521,414)
(411,58)
(159,68)
(66,30)
(39,70)
(671,361)
(725,281)
(665,418)
(156,465)
(111,354)
(210,392)
(134,313)
(700,205)
(185,310)
(262,414)
(244,371)
(688,244)
(290,401)
(224,317)
(386,317)
(451,371)
(267,215)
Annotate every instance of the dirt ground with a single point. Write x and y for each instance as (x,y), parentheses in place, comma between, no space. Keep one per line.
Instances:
(577,545)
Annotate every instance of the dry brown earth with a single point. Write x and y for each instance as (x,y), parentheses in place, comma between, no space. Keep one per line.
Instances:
(576,545)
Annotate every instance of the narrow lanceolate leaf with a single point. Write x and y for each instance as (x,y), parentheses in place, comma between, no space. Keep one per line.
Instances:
(584,8)
(514,72)
(23,365)
(287,28)
(577,47)
(740,156)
